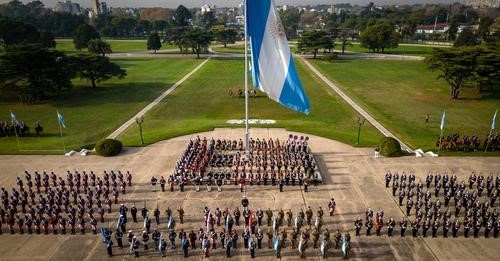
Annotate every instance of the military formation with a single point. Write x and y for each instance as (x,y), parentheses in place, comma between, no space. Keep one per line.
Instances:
(467,206)
(269,162)
(225,228)
(47,203)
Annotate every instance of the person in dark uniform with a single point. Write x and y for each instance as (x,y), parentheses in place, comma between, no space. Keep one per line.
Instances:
(358,224)
(435,227)
(427,226)
(403,224)
(455,228)
(109,247)
(388,177)
(369,225)
(185,246)
(394,188)
(488,227)
(162,183)
(446,227)
(390,226)
(281,184)
(119,236)
(259,236)
(228,244)
(401,197)
(415,225)
(477,227)
(133,211)
(497,228)
(467,225)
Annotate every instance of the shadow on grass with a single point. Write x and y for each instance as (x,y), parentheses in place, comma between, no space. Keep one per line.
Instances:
(83,96)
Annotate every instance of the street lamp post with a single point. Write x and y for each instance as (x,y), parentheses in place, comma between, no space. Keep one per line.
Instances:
(361,121)
(139,121)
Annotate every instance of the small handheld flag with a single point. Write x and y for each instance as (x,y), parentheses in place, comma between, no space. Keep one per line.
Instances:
(443,118)
(273,69)
(60,118)
(14,119)
(494,121)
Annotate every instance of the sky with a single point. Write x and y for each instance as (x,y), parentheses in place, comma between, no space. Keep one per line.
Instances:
(230,3)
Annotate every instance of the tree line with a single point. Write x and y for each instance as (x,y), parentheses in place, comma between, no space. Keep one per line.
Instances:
(31,70)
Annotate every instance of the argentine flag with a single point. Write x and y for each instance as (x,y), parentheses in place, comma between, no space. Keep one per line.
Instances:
(443,118)
(60,118)
(272,68)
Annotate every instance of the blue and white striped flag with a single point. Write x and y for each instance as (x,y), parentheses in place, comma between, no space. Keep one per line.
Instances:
(14,119)
(60,118)
(494,121)
(273,69)
(443,118)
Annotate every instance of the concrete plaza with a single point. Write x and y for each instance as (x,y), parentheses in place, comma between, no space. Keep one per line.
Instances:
(351,175)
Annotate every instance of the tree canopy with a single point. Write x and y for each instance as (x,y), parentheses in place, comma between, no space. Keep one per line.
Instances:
(379,37)
(99,46)
(14,32)
(225,35)
(33,72)
(97,68)
(154,42)
(197,39)
(83,34)
(182,16)
(312,41)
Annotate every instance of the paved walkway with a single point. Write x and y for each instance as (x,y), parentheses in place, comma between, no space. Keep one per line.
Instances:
(155,102)
(352,176)
(358,108)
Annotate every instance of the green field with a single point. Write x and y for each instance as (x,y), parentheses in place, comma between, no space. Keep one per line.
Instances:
(237,48)
(91,114)
(117,46)
(202,103)
(401,93)
(411,50)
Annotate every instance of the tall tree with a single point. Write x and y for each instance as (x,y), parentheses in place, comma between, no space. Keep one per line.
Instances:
(344,40)
(224,34)
(380,37)
(99,46)
(313,41)
(484,27)
(33,72)
(197,39)
(182,16)
(207,20)
(154,42)
(83,34)
(466,38)
(13,32)
(291,19)
(456,66)
(174,36)
(97,68)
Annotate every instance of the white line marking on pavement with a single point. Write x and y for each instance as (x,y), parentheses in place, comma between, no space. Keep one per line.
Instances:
(358,108)
(127,124)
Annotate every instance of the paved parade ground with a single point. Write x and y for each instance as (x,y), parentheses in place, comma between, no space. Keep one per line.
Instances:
(351,175)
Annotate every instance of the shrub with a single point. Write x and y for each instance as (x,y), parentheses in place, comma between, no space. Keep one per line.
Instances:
(390,147)
(108,147)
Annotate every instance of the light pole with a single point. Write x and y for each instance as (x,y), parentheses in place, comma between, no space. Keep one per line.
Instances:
(361,121)
(139,121)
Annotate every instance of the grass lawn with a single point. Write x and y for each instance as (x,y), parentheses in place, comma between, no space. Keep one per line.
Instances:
(91,114)
(401,93)
(411,50)
(117,46)
(202,103)
(236,48)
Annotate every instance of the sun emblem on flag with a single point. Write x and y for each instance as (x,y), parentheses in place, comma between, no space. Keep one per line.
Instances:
(277,28)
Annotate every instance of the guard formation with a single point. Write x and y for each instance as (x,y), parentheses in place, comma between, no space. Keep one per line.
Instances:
(269,162)
(462,206)
(225,228)
(44,202)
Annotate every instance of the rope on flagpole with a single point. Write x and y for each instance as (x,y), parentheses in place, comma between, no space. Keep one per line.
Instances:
(247,134)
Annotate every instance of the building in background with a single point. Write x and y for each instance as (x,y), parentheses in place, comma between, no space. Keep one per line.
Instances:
(484,3)
(67,7)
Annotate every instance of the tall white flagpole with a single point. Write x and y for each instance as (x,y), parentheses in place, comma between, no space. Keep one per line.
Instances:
(247,134)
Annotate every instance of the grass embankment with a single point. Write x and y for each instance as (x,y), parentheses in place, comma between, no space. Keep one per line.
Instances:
(401,93)
(202,103)
(91,114)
